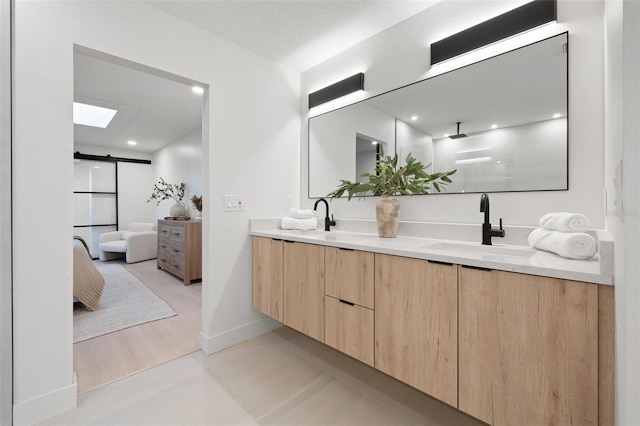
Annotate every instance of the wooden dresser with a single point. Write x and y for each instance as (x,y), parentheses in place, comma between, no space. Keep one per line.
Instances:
(180,248)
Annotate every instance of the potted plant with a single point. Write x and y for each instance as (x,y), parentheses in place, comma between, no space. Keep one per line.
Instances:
(388,180)
(196,200)
(163,191)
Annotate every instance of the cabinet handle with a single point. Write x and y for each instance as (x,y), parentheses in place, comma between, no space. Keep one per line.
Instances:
(176,251)
(177,234)
(345,249)
(437,262)
(287,241)
(277,239)
(477,268)
(346,302)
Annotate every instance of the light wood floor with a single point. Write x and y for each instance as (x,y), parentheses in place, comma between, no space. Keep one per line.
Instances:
(279,378)
(113,356)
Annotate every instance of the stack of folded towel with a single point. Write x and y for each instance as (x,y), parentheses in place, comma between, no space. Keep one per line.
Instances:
(563,234)
(299,219)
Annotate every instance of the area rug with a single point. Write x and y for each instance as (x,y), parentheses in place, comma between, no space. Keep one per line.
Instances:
(125,302)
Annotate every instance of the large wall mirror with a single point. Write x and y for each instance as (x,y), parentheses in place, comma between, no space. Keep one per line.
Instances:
(512,111)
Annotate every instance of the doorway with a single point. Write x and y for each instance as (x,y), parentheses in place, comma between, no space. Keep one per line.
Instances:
(158,123)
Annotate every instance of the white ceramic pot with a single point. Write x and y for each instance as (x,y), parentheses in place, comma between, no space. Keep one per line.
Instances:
(388,216)
(178,209)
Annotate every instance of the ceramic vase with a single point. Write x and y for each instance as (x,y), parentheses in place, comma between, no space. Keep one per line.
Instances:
(387,216)
(178,209)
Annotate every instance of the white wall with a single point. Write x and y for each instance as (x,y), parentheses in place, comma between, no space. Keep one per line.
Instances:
(400,55)
(252,122)
(622,180)
(180,161)
(5,214)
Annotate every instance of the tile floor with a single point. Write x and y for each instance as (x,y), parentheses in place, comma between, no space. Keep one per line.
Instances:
(280,378)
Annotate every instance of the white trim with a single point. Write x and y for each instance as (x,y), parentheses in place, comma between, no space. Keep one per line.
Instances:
(45,406)
(212,344)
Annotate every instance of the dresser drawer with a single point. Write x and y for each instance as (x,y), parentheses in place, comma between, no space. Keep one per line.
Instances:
(164,231)
(177,234)
(164,246)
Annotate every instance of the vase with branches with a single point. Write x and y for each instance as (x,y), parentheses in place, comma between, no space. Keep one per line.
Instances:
(164,191)
(389,179)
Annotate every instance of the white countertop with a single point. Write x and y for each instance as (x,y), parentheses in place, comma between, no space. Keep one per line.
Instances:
(503,257)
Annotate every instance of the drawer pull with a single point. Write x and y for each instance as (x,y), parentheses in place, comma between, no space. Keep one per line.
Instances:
(345,249)
(477,268)
(287,241)
(176,251)
(346,302)
(277,239)
(177,234)
(437,262)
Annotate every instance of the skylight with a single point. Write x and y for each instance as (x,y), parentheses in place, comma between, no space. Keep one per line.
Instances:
(91,115)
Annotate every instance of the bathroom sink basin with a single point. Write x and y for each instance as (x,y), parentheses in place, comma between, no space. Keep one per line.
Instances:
(482,249)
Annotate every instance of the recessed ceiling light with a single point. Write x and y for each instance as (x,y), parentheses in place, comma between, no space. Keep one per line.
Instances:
(374,143)
(557,115)
(96,167)
(414,117)
(197,89)
(91,115)
(132,143)
(494,126)
(446,135)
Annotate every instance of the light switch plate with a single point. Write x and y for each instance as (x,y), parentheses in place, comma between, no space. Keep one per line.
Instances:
(233,203)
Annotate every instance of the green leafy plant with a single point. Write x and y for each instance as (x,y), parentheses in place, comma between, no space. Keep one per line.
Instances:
(163,191)
(197,202)
(389,178)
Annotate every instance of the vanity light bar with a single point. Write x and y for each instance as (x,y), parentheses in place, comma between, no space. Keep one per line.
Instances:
(337,90)
(518,20)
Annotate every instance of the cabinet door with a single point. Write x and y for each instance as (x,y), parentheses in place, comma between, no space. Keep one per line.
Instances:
(416,324)
(349,329)
(349,275)
(268,283)
(304,288)
(528,349)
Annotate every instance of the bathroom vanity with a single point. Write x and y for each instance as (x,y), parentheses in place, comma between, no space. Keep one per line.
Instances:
(506,334)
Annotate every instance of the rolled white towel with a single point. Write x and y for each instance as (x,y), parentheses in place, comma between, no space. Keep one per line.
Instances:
(564,221)
(300,214)
(572,245)
(302,224)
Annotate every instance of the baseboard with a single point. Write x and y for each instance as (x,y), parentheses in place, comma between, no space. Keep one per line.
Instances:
(218,342)
(46,406)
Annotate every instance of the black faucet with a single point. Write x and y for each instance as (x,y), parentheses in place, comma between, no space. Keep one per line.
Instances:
(487,230)
(327,222)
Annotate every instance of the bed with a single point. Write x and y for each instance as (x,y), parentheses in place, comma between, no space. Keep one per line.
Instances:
(88,283)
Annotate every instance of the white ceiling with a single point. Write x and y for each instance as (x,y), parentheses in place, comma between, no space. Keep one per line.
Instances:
(298,33)
(156,111)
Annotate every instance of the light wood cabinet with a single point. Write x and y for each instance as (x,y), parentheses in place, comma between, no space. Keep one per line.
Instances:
(268,277)
(349,302)
(416,324)
(304,288)
(349,275)
(349,329)
(528,349)
(180,248)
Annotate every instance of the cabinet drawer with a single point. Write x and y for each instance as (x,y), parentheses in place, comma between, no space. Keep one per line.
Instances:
(349,329)
(176,251)
(164,231)
(177,234)
(164,261)
(177,265)
(349,275)
(164,246)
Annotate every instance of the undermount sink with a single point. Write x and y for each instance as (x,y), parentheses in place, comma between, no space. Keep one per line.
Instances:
(481,249)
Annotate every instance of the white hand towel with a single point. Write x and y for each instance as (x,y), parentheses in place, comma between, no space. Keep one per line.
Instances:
(572,245)
(564,221)
(300,214)
(302,224)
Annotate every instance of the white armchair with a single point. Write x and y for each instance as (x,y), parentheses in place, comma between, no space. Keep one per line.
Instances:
(139,242)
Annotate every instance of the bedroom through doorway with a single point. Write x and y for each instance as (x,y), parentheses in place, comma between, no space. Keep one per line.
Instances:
(144,315)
